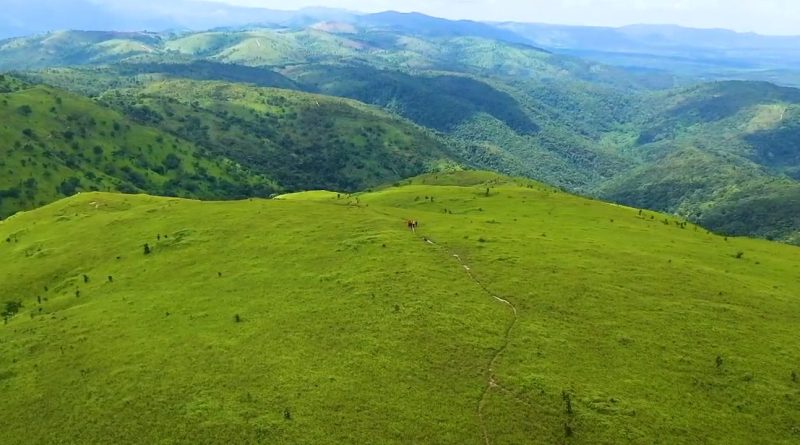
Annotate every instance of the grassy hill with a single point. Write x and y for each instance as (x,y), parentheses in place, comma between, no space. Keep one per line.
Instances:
(304,141)
(64,48)
(55,143)
(515,314)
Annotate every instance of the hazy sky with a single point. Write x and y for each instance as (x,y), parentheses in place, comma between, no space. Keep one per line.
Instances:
(763,16)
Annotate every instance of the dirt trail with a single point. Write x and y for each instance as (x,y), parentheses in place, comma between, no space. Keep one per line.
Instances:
(491,382)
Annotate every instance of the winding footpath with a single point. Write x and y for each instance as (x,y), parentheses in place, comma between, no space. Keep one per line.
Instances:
(491,381)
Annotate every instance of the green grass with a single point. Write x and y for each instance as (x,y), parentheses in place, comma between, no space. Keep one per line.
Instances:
(354,330)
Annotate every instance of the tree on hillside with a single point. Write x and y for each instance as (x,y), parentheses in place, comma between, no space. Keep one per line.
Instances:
(69,186)
(11,308)
(172,162)
(25,110)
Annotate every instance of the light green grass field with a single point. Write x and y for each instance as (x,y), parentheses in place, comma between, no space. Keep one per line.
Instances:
(353,329)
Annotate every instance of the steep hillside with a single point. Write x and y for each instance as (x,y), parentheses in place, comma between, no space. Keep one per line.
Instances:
(96,81)
(509,106)
(514,314)
(723,154)
(304,141)
(537,128)
(55,144)
(534,128)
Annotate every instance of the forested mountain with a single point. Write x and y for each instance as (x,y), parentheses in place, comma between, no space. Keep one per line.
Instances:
(702,151)
(55,144)
(200,139)
(304,141)
(724,154)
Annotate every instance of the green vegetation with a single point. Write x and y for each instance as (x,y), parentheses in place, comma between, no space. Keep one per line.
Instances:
(55,144)
(64,48)
(621,326)
(721,154)
(96,81)
(208,140)
(304,141)
(709,153)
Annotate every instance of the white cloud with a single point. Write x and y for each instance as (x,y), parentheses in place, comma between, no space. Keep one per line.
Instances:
(764,16)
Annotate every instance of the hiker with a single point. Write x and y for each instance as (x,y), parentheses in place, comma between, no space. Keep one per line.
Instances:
(412,224)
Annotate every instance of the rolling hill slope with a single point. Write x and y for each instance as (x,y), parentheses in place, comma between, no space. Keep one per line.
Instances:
(724,154)
(55,143)
(515,314)
(304,141)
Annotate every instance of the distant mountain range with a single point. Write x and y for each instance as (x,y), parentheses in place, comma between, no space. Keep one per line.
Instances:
(22,18)
(705,54)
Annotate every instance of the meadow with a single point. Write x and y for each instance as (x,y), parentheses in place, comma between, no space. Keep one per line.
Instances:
(515,313)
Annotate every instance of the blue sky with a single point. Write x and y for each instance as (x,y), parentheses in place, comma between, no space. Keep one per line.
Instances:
(763,16)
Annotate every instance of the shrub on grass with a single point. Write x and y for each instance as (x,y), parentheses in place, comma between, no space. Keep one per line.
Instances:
(11,308)
(25,110)
(567,402)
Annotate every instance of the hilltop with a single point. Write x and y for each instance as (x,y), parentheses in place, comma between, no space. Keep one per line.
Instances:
(516,313)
